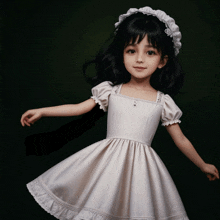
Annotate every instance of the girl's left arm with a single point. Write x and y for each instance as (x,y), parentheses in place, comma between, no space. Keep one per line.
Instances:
(187,148)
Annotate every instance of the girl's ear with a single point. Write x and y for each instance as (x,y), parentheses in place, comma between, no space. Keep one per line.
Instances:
(163,62)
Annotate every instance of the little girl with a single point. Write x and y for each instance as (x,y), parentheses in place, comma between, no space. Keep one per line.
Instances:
(122,177)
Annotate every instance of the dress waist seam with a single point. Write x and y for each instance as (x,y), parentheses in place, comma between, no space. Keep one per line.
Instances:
(144,143)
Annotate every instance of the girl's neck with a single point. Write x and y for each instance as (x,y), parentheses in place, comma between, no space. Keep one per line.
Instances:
(140,84)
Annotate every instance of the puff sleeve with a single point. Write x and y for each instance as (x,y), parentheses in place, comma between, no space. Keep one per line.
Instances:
(171,112)
(100,94)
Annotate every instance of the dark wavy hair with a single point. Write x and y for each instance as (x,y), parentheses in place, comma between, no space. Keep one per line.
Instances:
(109,60)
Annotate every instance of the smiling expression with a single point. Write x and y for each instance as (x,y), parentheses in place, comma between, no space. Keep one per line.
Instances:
(141,60)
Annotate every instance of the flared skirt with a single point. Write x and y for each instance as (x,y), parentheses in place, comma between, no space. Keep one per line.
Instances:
(113,179)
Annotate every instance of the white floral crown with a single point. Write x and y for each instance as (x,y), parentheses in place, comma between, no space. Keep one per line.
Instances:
(171,30)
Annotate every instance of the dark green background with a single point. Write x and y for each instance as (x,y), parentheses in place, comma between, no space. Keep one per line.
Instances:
(43,47)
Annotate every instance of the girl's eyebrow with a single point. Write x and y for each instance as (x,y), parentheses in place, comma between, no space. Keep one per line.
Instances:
(133,45)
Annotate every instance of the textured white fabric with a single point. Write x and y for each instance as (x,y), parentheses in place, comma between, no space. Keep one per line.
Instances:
(171,112)
(118,178)
(101,93)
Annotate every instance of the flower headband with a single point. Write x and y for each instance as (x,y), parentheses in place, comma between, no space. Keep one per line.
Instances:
(171,30)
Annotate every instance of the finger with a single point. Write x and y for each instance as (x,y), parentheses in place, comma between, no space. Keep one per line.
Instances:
(27,123)
(22,123)
(33,119)
(212,177)
(217,173)
(25,117)
(24,120)
(30,121)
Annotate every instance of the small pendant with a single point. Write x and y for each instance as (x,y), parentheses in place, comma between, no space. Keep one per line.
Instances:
(135,103)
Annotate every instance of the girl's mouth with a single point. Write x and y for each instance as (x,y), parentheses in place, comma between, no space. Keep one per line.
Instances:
(139,68)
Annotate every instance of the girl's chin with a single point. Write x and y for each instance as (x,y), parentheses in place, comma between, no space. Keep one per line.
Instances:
(140,77)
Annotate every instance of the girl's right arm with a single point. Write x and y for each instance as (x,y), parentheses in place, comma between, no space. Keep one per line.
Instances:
(30,116)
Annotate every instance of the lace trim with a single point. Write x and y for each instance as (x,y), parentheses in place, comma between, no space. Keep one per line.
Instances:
(170,122)
(64,211)
(99,102)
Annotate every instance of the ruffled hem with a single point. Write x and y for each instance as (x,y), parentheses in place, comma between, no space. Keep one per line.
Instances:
(171,122)
(99,102)
(64,211)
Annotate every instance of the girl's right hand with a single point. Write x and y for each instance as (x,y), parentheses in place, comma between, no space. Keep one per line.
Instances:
(31,116)
(211,171)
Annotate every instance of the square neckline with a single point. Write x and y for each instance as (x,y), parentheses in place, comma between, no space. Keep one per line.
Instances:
(118,92)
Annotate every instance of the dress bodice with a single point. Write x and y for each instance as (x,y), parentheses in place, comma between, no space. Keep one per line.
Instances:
(133,119)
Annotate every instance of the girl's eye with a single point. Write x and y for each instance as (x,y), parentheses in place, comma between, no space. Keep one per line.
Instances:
(151,52)
(131,51)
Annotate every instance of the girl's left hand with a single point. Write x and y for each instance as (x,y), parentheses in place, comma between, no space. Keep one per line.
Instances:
(211,172)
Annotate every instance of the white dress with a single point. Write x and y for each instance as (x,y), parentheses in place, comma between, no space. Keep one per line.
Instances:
(120,177)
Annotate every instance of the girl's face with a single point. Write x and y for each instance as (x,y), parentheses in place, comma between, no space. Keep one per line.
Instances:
(141,60)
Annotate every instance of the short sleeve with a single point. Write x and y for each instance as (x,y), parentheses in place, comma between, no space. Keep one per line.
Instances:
(171,112)
(100,94)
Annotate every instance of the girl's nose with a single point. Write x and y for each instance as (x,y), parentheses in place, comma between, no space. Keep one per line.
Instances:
(140,58)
